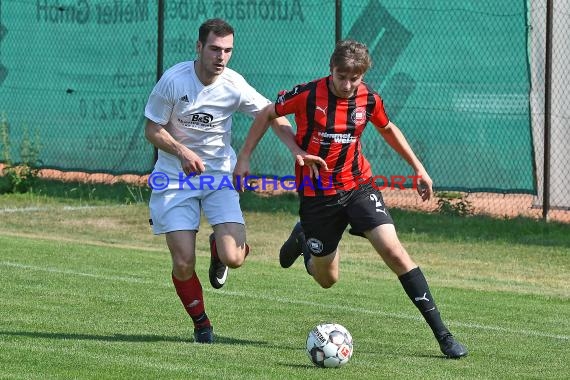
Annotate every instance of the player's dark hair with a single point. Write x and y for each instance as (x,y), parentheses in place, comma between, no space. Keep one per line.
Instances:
(216,25)
(351,55)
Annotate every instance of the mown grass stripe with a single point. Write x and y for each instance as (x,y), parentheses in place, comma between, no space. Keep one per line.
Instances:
(260,297)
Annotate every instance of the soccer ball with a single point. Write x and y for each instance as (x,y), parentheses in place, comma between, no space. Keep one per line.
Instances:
(329,345)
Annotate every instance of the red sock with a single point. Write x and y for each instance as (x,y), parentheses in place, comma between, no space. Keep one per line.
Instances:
(190,293)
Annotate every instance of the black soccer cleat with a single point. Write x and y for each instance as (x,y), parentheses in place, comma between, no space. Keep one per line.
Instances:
(218,272)
(293,247)
(451,348)
(204,335)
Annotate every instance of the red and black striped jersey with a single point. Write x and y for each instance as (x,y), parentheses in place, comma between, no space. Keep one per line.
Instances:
(331,127)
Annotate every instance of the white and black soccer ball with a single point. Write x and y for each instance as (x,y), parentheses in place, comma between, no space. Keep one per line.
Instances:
(329,345)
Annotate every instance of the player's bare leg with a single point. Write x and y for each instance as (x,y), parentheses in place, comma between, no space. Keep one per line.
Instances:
(325,269)
(230,243)
(227,249)
(182,246)
(386,242)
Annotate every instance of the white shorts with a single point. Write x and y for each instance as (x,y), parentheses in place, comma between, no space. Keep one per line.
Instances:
(175,209)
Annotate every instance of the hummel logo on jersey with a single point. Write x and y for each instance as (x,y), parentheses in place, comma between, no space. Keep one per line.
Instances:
(185,99)
(323,110)
(422,298)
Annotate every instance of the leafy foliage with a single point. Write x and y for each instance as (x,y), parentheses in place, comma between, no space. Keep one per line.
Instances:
(451,203)
(19,177)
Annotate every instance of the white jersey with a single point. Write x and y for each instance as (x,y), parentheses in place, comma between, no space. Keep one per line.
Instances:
(200,117)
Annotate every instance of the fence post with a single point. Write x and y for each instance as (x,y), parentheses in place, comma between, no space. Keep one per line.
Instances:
(547,110)
(338,21)
(159,50)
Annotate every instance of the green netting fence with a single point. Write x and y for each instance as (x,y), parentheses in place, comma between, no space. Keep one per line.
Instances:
(454,76)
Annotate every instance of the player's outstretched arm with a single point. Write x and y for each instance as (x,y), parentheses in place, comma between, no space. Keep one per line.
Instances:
(395,138)
(256,131)
(285,133)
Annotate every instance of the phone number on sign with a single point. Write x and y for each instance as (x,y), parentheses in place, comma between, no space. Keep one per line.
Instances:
(105,109)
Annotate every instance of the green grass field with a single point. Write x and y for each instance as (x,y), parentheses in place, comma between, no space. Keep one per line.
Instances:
(85,293)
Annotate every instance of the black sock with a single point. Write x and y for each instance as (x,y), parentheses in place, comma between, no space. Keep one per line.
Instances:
(304,249)
(201,321)
(306,258)
(417,289)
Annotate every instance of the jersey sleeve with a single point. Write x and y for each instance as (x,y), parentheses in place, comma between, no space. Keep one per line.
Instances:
(160,102)
(379,117)
(251,101)
(286,102)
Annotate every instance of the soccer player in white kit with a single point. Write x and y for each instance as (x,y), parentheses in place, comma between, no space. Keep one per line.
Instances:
(189,114)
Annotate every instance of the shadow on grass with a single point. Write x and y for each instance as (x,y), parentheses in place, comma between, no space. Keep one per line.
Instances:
(124,337)
(414,224)
(298,366)
(123,193)
(438,227)
(473,229)
(119,193)
(286,203)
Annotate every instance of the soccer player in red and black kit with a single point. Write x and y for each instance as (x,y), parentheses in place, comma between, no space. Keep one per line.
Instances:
(334,179)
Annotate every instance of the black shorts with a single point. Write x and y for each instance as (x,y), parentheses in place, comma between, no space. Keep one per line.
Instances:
(324,218)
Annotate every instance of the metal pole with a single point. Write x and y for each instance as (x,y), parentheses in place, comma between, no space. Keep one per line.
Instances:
(159,50)
(547,110)
(160,40)
(338,21)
